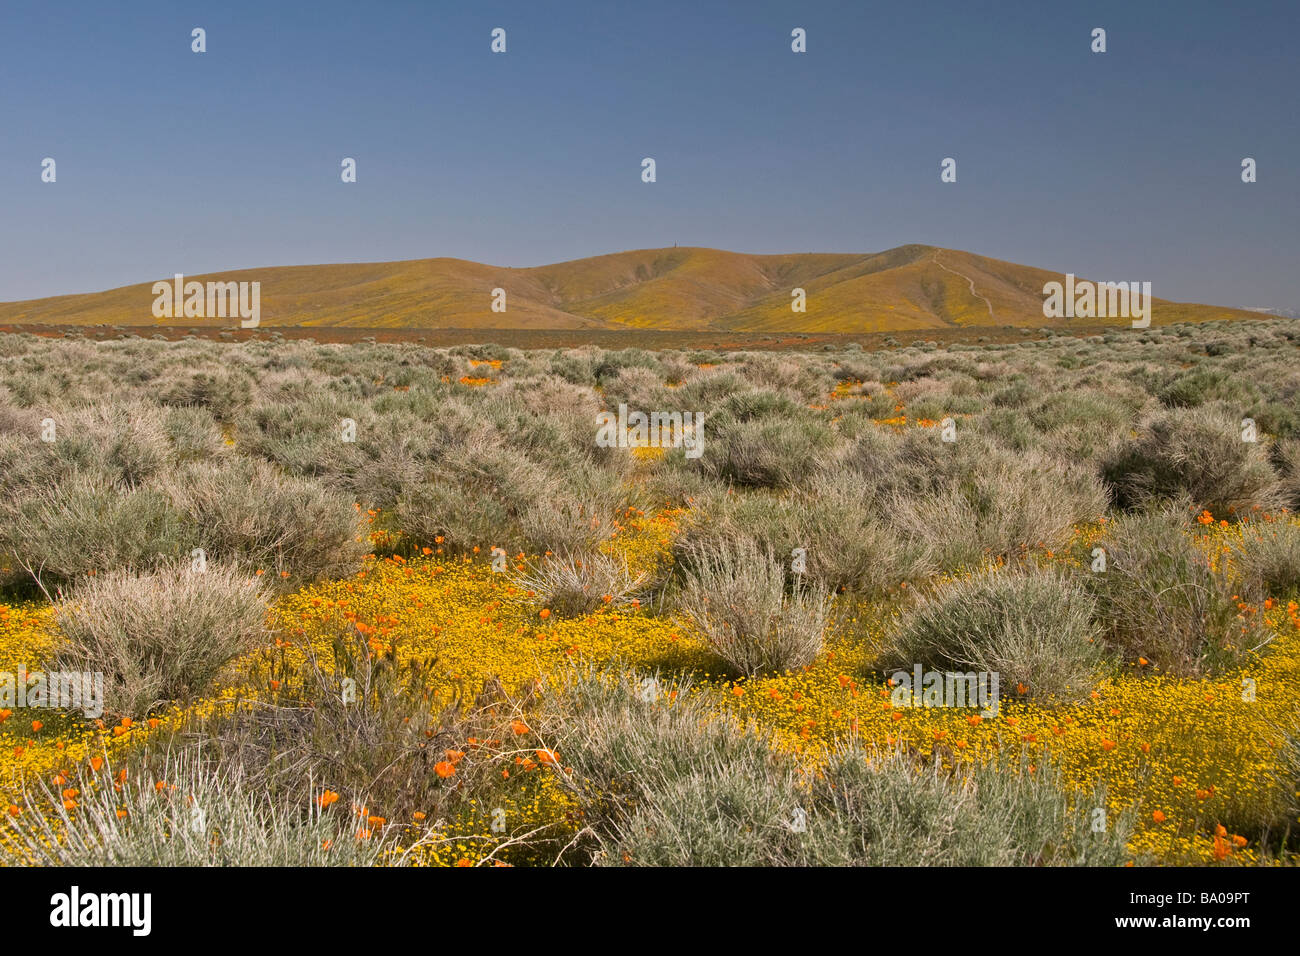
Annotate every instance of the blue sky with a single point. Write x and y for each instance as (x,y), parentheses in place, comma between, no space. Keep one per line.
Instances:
(1117,166)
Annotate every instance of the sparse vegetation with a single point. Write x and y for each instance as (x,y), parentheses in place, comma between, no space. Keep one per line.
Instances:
(408,581)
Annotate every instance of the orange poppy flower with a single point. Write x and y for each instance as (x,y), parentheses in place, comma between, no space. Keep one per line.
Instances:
(1221,847)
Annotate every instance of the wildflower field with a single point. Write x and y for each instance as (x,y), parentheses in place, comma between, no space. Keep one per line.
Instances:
(394,605)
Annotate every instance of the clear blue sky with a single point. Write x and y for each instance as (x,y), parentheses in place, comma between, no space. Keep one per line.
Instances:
(1117,166)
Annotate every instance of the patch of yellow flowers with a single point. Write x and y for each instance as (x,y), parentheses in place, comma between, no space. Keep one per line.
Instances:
(1197,759)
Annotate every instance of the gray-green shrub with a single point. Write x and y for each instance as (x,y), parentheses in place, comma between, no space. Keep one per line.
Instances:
(736,596)
(159,636)
(1034,628)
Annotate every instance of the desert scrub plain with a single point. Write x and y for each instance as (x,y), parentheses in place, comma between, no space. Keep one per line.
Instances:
(394,605)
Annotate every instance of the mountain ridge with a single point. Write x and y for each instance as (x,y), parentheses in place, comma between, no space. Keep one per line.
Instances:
(691,288)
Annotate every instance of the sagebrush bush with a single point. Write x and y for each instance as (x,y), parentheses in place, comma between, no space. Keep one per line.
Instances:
(461,518)
(736,596)
(1198,453)
(222,393)
(845,546)
(1158,598)
(245,511)
(1268,559)
(1033,628)
(27,466)
(567,522)
(1002,506)
(766,454)
(476,498)
(573,583)
(1198,386)
(85,524)
(665,782)
(763,439)
(194,435)
(1286,455)
(159,636)
(201,816)
(127,442)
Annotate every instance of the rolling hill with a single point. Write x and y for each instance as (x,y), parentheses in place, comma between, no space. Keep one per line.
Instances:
(909,288)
